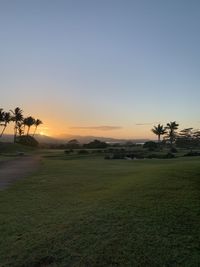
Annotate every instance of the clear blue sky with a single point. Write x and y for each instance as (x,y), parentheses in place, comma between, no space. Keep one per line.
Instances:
(102,63)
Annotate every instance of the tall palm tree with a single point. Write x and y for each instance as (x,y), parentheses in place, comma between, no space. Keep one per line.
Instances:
(29,121)
(37,123)
(20,128)
(172,127)
(6,118)
(17,117)
(1,116)
(159,130)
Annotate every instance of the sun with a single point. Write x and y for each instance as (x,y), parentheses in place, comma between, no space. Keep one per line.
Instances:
(41,133)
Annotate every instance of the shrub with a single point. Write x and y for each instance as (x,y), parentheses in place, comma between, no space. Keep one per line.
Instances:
(67,151)
(96,144)
(118,156)
(73,144)
(173,150)
(97,151)
(154,156)
(151,145)
(192,154)
(160,156)
(169,156)
(27,140)
(83,151)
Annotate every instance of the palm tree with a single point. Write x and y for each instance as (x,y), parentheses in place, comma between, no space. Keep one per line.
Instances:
(172,127)
(6,118)
(17,117)
(37,123)
(20,128)
(159,130)
(29,121)
(1,116)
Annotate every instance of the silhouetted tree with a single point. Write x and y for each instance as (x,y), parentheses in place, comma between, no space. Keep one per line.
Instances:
(196,134)
(1,117)
(6,119)
(37,123)
(29,121)
(96,144)
(172,127)
(17,117)
(19,122)
(159,130)
(73,144)
(20,128)
(150,145)
(188,138)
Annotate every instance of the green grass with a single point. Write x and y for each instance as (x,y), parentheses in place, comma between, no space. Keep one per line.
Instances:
(10,149)
(94,212)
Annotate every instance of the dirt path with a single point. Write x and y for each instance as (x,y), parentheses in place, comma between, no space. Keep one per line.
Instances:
(13,170)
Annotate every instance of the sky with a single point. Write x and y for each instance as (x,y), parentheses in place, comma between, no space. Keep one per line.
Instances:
(101,67)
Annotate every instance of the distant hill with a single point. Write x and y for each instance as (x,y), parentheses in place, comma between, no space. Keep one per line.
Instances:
(87,139)
(40,138)
(82,139)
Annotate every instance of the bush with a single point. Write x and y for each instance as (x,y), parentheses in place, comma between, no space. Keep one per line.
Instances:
(173,150)
(151,145)
(97,151)
(169,156)
(192,154)
(122,154)
(96,144)
(160,156)
(107,157)
(153,156)
(27,140)
(83,152)
(68,151)
(73,144)
(118,156)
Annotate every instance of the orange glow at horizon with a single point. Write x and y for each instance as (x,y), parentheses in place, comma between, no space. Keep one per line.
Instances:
(124,133)
(59,129)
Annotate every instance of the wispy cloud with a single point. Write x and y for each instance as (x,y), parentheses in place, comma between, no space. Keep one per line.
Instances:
(100,128)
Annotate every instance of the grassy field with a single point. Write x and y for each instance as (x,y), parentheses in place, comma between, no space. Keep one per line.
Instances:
(87,211)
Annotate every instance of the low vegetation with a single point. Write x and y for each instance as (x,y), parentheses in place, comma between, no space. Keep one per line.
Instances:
(101,204)
(90,212)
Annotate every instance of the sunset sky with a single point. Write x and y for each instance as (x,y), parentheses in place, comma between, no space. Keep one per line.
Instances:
(101,67)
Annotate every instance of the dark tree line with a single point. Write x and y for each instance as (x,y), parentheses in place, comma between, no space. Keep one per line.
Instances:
(184,138)
(22,125)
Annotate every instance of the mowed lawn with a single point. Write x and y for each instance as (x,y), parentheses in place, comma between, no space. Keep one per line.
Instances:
(95,212)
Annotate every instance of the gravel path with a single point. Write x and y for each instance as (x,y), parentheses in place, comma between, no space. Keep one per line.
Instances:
(13,170)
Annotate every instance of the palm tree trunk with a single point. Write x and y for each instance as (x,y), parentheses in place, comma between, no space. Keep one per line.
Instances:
(35,130)
(15,132)
(28,130)
(3,130)
(171,142)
